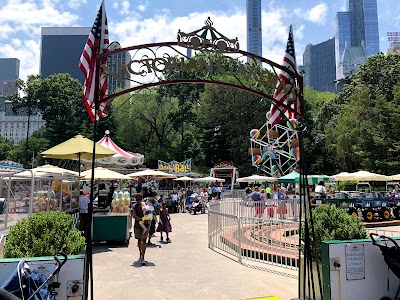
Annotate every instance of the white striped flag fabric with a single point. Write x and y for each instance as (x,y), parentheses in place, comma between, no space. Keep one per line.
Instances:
(96,43)
(285,84)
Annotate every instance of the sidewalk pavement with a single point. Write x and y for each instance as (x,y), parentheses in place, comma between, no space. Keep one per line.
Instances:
(183,269)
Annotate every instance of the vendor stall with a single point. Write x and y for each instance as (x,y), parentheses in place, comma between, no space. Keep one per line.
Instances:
(111,220)
(44,188)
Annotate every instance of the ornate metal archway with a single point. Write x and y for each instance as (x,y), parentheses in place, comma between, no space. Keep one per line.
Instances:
(149,62)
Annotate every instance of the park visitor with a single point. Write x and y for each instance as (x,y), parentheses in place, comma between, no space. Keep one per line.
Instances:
(83,212)
(140,235)
(164,224)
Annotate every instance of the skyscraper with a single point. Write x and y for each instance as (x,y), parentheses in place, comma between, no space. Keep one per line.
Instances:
(61,48)
(319,66)
(254,34)
(358,27)
(371,27)
(114,62)
(9,72)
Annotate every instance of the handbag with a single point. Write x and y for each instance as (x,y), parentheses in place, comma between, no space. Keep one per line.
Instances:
(159,227)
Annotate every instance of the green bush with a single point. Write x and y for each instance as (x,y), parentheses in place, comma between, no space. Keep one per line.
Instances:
(332,223)
(44,234)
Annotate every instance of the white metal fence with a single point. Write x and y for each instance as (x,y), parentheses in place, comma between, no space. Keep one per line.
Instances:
(2,245)
(271,209)
(234,230)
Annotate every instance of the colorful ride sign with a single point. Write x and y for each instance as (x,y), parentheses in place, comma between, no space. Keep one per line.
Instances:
(176,167)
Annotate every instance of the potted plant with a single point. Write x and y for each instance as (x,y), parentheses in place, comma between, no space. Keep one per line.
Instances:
(44,234)
(330,223)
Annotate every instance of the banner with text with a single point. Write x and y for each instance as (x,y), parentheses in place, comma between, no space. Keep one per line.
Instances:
(176,167)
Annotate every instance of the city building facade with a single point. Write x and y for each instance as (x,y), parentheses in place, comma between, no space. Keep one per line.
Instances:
(9,72)
(60,50)
(394,48)
(319,66)
(342,34)
(254,33)
(358,27)
(15,127)
(114,62)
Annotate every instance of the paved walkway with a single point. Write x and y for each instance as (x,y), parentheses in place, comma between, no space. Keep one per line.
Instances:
(183,269)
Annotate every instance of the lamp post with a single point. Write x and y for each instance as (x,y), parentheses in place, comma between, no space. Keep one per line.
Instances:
(27,135)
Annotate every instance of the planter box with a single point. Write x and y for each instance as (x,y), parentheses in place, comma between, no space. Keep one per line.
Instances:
(71,274)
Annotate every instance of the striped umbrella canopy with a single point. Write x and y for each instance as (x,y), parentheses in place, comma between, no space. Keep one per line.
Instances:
(121,157)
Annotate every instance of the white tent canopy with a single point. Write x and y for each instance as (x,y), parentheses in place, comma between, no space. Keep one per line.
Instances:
(148,173)
(104,174)
(209,179)
(184,178)
(257,178)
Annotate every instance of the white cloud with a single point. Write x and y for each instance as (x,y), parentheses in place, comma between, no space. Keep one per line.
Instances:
(142,7)
(28,53)
(317,14)
(125,7)
(134,30)
(20,33)
(46,15)
(76,4)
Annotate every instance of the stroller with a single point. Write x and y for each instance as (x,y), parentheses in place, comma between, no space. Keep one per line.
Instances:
(25,283)
(194,205)
(391,255)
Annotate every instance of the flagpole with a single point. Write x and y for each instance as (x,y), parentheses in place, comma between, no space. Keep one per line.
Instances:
(89,252)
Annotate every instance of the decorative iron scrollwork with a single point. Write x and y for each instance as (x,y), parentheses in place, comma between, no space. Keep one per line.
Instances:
(207,38)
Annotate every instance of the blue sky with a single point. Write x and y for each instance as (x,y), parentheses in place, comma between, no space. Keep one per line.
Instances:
(141,21)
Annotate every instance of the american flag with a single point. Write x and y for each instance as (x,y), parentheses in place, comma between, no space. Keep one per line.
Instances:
(282,87)
(96,43)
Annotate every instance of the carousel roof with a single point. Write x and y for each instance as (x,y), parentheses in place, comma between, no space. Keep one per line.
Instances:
(121,157)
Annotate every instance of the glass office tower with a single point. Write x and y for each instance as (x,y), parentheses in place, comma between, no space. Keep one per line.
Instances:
(254,36)
(371,27)
(9,72)
(61,49)
(342,34)
(319,66)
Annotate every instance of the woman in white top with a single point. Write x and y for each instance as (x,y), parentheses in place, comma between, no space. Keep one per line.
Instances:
(320,190)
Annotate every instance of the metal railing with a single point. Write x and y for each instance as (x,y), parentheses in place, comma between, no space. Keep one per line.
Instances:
(234,231)
(385,232)
(2,245)
(271,209)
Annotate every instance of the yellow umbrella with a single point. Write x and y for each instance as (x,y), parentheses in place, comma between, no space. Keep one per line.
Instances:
(77,147)
(104,174)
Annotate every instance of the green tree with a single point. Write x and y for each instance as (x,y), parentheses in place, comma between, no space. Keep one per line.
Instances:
(363,125)
(6,146)
(318,159)
(144,124)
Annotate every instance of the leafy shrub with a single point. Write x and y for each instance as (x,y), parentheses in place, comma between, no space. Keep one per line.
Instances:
(331,223)
(44,234)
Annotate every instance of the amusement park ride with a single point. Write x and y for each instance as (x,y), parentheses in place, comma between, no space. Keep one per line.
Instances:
(275,148)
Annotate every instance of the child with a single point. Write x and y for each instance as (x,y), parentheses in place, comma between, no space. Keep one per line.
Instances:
(165,224)
(148,210)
